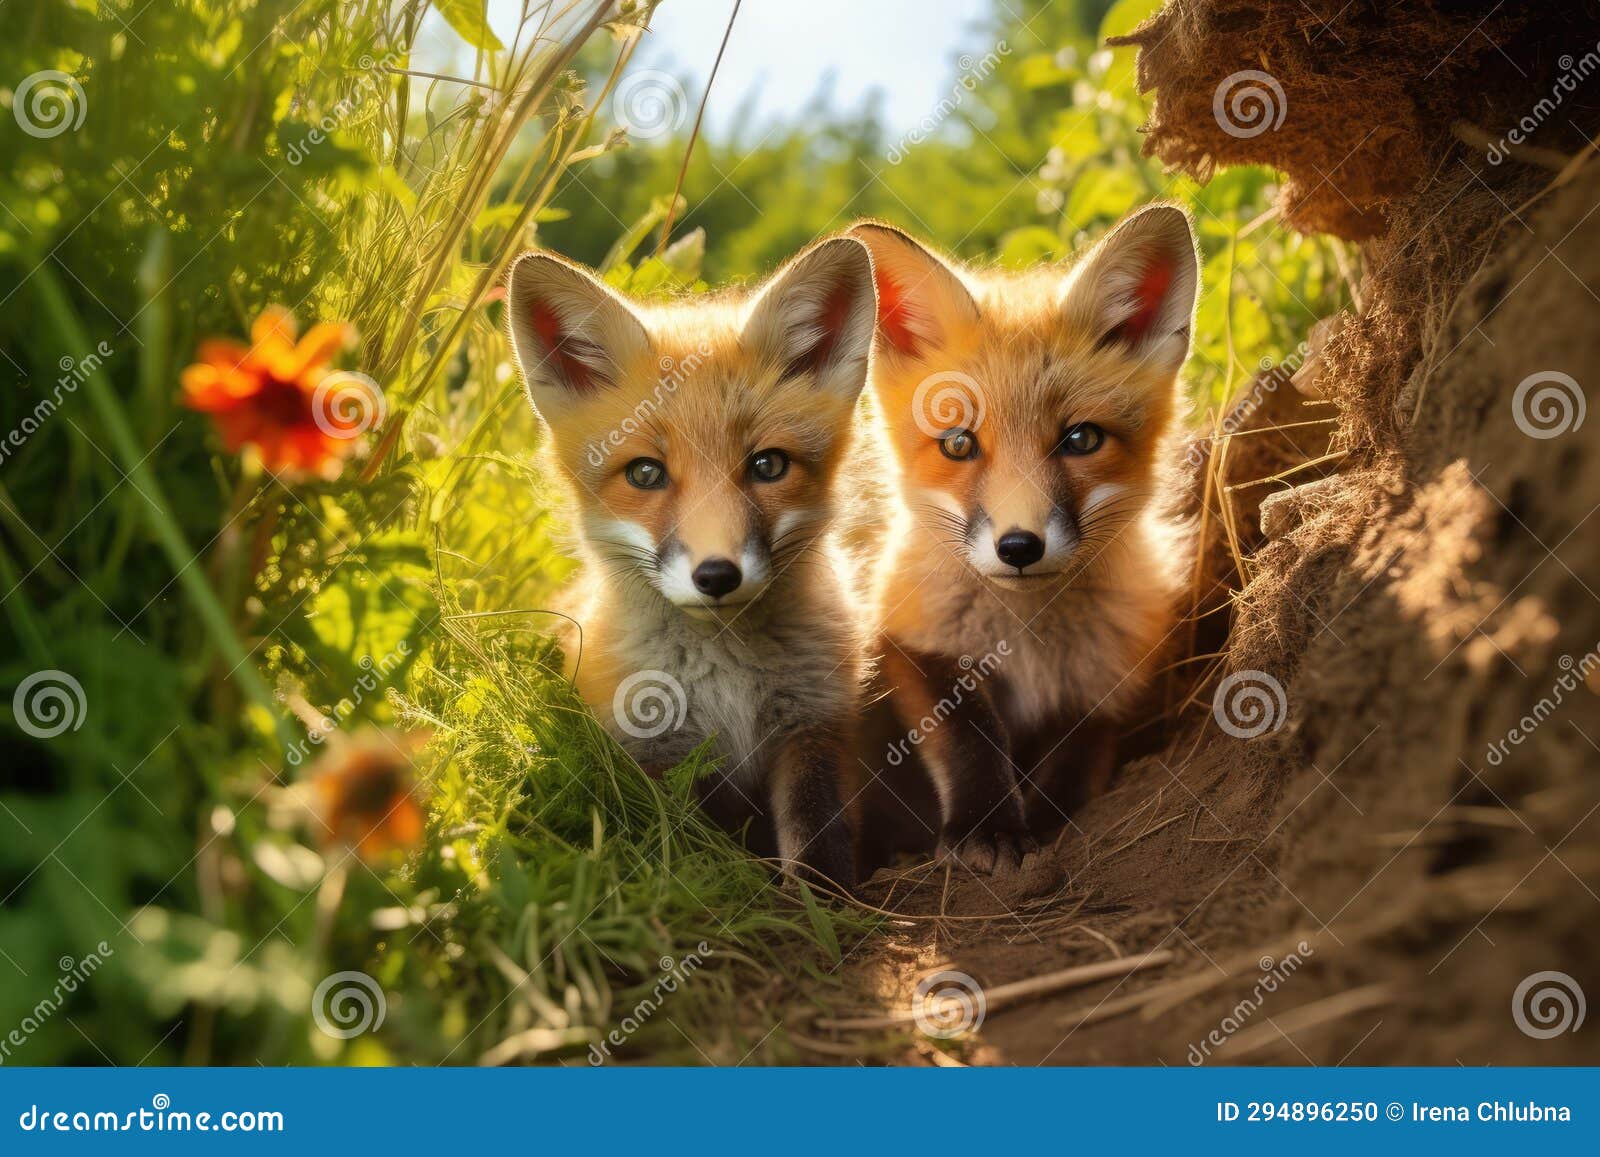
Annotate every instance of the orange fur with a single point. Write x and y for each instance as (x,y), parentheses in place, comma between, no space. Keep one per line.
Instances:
(1019,359)
(709,392)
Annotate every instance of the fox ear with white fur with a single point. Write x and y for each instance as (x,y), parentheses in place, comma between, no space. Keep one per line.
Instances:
(573,335)
(815,317)
(921,300)
(1137,287)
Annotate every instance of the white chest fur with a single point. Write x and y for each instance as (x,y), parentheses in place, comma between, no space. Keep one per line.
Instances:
(745,681)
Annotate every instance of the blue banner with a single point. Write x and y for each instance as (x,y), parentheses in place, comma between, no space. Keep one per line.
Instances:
(795,1111)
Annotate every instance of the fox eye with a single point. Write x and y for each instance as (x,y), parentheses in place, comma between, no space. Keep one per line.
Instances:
(1084,438)
(959,444)
(645,474)
(769,465)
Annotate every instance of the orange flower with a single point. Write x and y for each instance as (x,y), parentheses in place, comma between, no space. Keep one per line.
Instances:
(279,394)
(364,797)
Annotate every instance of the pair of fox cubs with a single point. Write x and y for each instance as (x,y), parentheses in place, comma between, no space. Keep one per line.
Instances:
(719,463)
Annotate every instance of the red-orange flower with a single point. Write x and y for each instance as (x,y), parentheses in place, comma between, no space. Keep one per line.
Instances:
(279,394)
(364,795)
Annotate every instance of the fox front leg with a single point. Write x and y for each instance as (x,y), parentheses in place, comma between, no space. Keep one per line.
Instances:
(812,828)
(963,745)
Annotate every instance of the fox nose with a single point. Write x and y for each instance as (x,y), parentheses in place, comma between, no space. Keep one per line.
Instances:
(1019,548)
(717,577)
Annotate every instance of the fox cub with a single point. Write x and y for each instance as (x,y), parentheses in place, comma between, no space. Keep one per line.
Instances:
(700,441)
(1025,413)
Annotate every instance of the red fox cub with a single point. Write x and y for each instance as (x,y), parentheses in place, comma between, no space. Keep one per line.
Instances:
(1029,585)
(700,441)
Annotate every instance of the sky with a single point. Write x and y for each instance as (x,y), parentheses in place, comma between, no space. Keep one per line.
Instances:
(781,51)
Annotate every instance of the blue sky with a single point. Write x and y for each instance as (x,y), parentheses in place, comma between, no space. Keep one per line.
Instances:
(781,51)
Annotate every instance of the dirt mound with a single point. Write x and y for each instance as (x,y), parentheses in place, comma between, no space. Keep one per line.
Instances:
(1355,101)
(1374,836)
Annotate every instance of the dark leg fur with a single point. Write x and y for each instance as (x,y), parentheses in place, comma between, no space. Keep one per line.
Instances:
(982,823)
(1063,765)
(813,831)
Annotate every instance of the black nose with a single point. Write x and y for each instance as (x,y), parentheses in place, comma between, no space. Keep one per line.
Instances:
(717,577)
(1019,548)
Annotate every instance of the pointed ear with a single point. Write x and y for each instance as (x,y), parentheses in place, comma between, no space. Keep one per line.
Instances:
(1137,287)
(815,317)
(920,298)
(572,333)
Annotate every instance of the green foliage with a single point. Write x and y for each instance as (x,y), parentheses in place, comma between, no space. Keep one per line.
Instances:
(1034,152)
(233,155)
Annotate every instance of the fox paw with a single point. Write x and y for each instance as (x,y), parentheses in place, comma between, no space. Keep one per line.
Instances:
(988,853)
(827,861)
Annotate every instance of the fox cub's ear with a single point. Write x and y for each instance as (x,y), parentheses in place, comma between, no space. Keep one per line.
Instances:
(920,298)
(572,334)
(1137,287)
(815,316)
